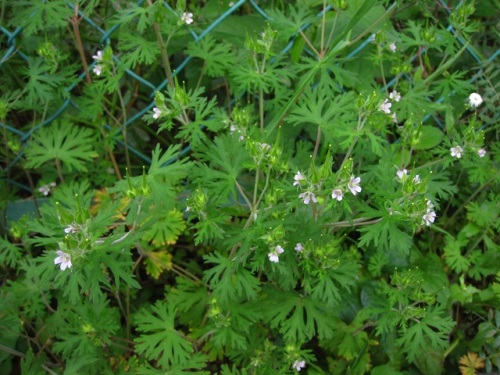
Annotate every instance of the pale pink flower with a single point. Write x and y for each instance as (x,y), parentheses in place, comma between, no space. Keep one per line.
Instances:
(481,152)
(429,217)
(394,95)
(307,196)
(187,18)
(97,70)
(299,364)
(456,151)
(63,259)
(298,178)
(337,194)
(157,113)
(274,254)
(385,106)
(299,248)
(402,173)
(392,46)
(353,185)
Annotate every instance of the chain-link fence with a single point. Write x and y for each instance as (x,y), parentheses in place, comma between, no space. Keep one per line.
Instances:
(9,41)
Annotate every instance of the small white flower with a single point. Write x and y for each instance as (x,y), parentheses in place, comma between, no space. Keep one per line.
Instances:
(240,138)
(353,185)
(45,190)
(430,206)
(481,152)
(98,56)
(299,248)
(394,95)
(274,254)
(299,365)
(337,194)
(187,18)
(385,106)
(298,177)
(97,70)
(402,173)
(392,46)
(307,196)
(232,128)
(188,208)
(394,118)
(157,113)
(264,146)
(475,100)
(72,228)
(63,259)
(231,3)
(456,151)
(429,217)
(416,179)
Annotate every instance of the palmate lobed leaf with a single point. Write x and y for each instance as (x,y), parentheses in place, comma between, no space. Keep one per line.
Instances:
(159,340)
(64,142)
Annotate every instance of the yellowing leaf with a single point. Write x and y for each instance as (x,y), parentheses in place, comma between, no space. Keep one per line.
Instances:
(157,262)
(469,363)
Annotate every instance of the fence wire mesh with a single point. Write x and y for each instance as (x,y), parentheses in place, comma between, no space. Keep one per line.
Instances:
(9,39)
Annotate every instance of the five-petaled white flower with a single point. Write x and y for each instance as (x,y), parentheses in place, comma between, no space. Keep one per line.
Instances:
(402,173)
(299,247)
(392,46)
(72,228)
(187,18)
(97,70)
(394,95)
(63,259)
(475,100)
(385,106)
(429,217)
(456,151)
(337,194)
(299,365)
(274,254)
(98,56)
(157,113)
(297,178)
(481,152)
(307,196)
(353,185)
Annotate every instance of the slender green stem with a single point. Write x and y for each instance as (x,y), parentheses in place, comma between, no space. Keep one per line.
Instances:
(379,50)
(361,124)
(318,141)
(323,27)
(163,51)
(354,223)
(310,44)
(123,126)
(330,37)
(244,195)
(59,169)
(256,186)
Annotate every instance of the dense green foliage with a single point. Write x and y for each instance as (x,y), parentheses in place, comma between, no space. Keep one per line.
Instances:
(215,191)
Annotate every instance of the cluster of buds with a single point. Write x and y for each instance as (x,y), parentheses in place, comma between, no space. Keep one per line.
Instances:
(473,139)
(345,181)
(413,204)
(77,239)
(102,60)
